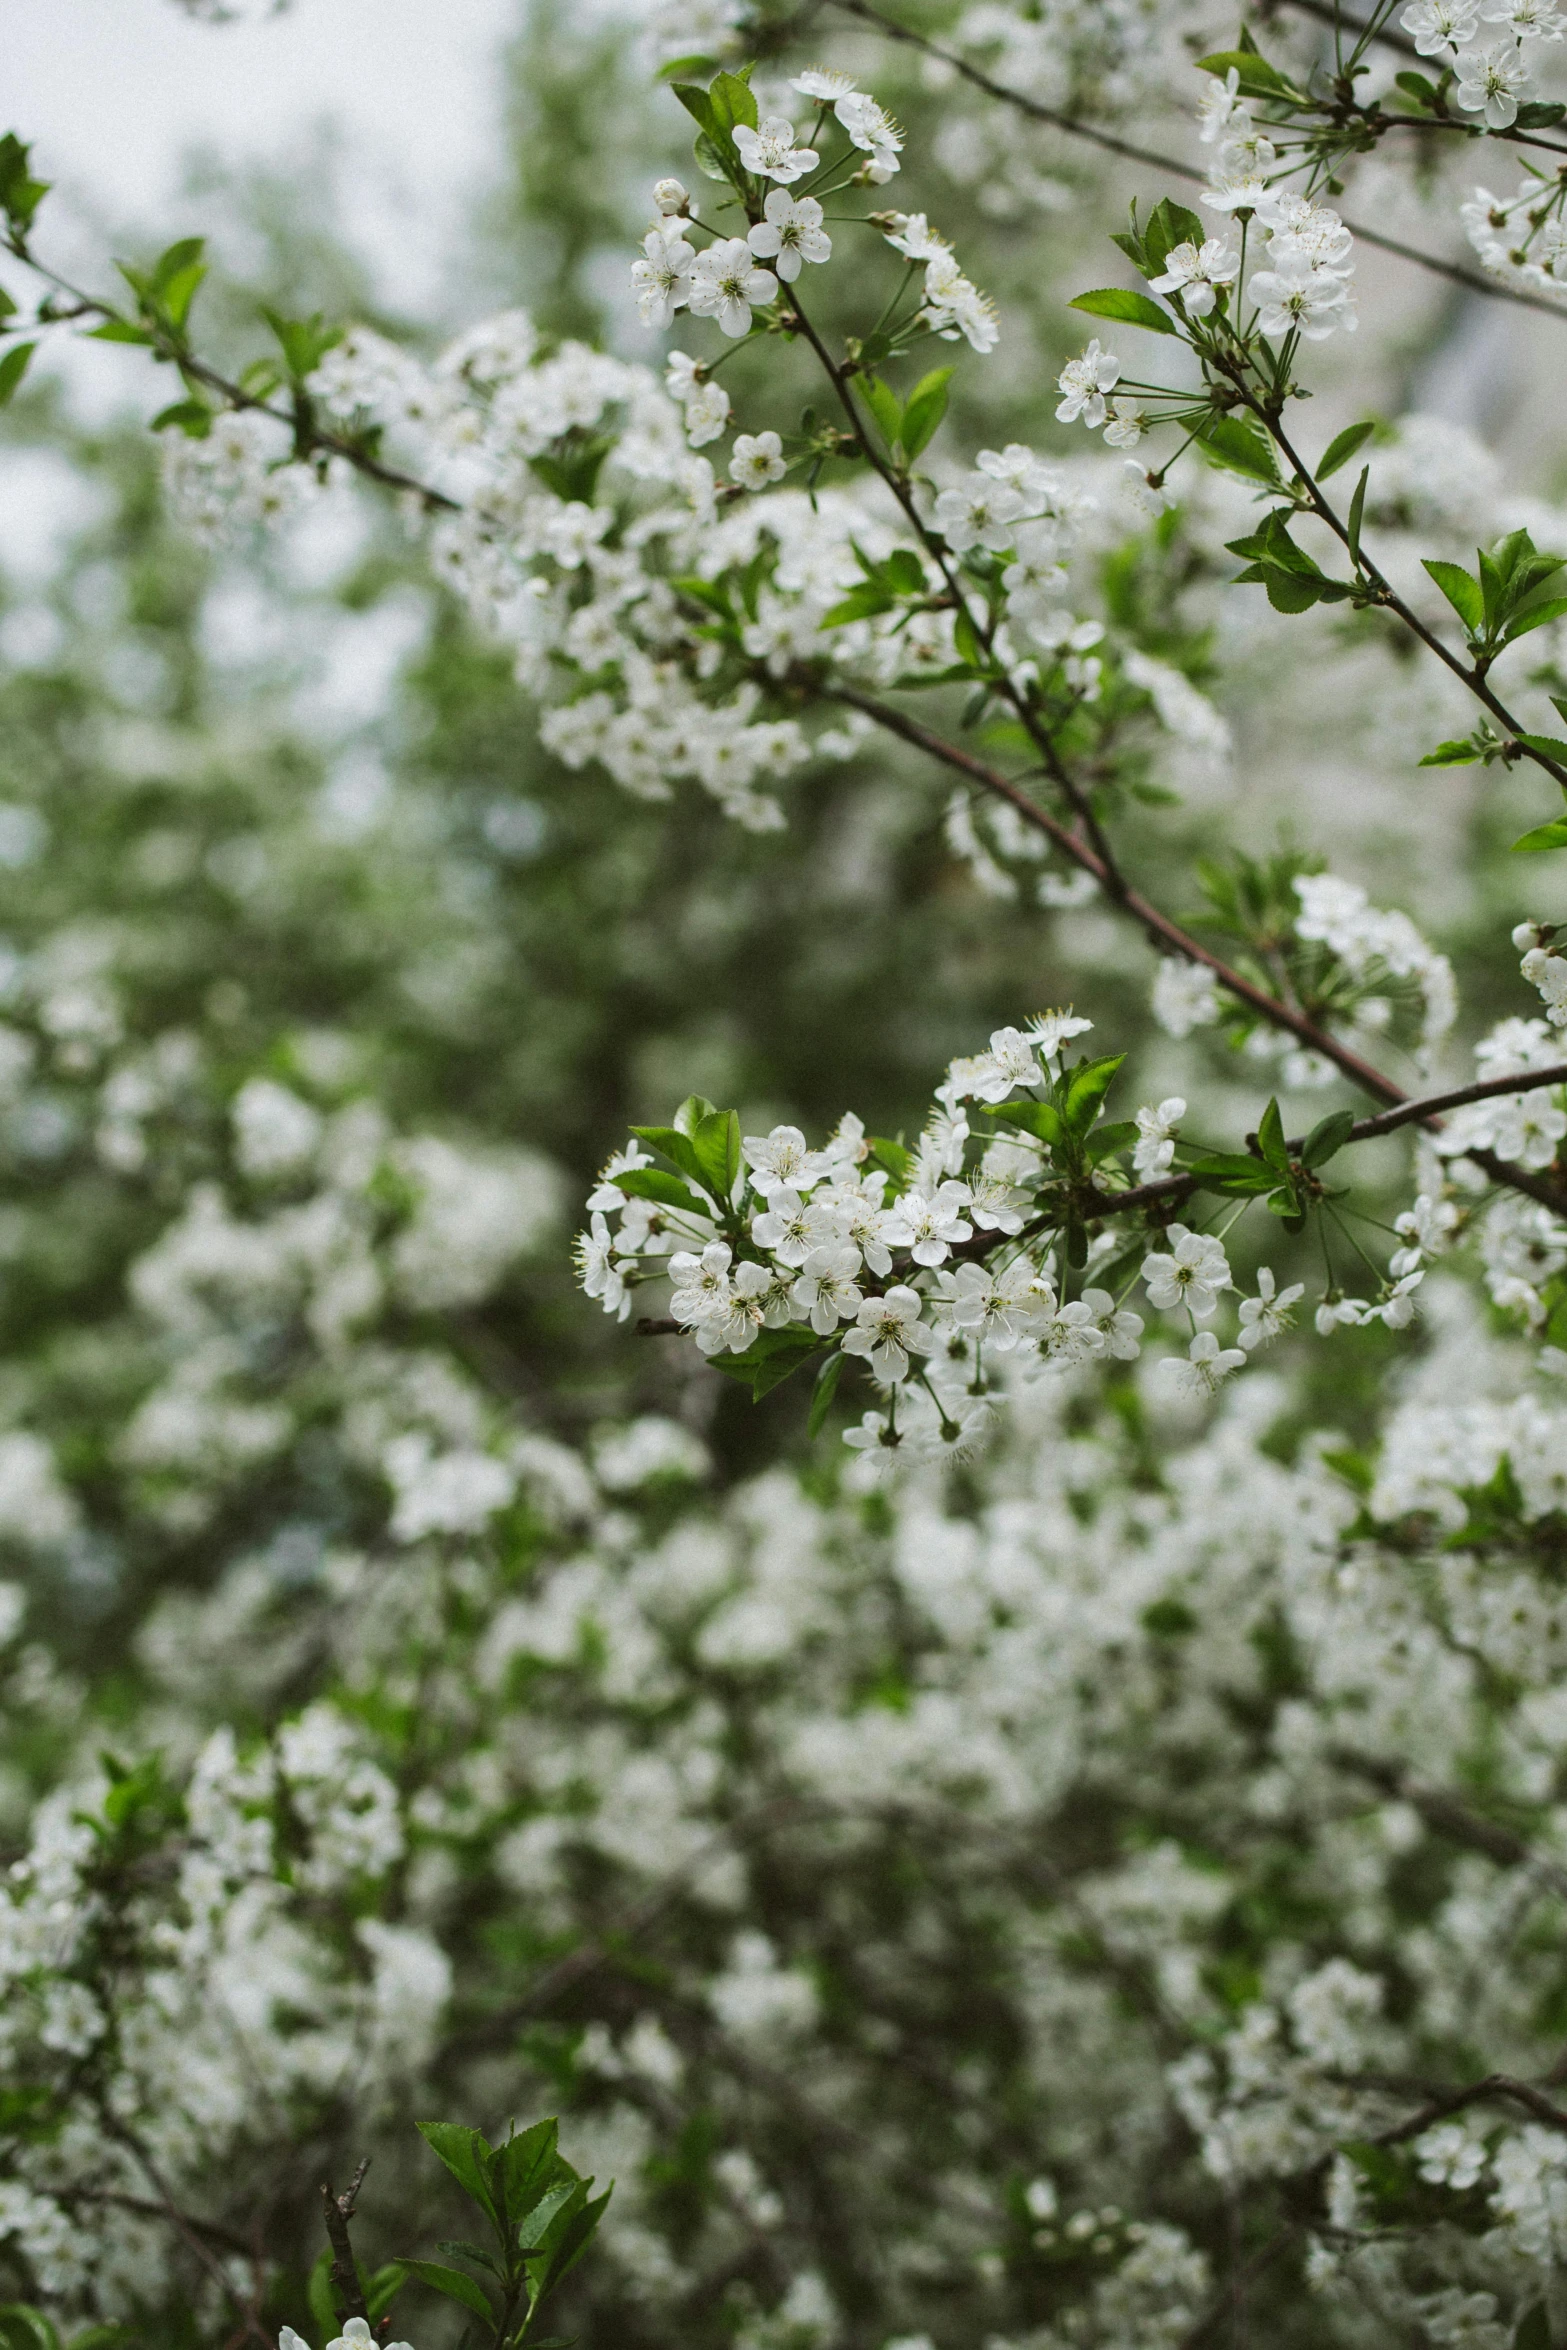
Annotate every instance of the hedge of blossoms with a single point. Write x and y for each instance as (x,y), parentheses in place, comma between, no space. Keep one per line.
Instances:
(1032,1903)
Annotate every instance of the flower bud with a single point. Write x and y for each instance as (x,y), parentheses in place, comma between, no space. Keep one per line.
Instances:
(670,197)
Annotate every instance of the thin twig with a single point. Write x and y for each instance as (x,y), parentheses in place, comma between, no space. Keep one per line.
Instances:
(336,2212)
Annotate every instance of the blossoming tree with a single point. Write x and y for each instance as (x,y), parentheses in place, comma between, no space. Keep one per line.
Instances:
(1074,1856)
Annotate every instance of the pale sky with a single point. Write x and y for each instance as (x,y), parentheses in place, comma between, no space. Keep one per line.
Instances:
(112,92)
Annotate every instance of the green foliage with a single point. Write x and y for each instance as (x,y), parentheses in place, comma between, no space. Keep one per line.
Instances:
(542,2216)
(1127,308)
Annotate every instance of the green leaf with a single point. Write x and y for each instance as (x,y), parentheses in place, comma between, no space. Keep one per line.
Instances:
(119,330)
(826,1388)
(677,67)
(885,406)
(1462,592)
(24,2328)
(576,2232)
(1169,225)
(732,101)
(382,2289)
(1357,507)
(652,1183)
(1129,308)
(318,2292)
(699,106)
(7,305)
(1040,1119)
(772,1357)
(691,1112)
(1342,447)
(466,2155)
(193,417)
(1231,442)
(965,638)
(1452,754)
(175,276)
(12,369)
(1531,615)
(1327,1138)
(1256,77)
(1417,90)
(1105,1141)
(1534,2328)
(1270,1137)
(904,571)
(710,160)
(1086,1087)
(898,1162)
(675,1146)
(1549,746)
(1538,114)
(717,1146)
(527,2165)
(1235,1172)
(455,2285)
(923,411)
(861,603)
(1544,836)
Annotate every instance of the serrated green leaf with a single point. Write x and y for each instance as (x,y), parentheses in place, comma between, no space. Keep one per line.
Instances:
(1462,591)
(923,411)
(1129,309)
(1544,836)
(1550,746)
(1451,754)
(1342,447)
(826,1388)
(1233,443)
(1169,225)
(454,2284)
(466,2155)
(732,101)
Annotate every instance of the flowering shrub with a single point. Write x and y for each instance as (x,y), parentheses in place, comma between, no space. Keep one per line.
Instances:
(1057,1841)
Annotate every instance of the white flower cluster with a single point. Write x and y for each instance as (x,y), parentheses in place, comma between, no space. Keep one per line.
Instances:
(1489,44)
(1305,285)
(924,1265)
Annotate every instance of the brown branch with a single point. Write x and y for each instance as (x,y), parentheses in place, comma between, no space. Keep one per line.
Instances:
(336,2212)
(1468,674)
(1472,280)
(1157,924)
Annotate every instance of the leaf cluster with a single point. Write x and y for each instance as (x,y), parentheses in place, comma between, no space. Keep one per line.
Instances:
(541,2216)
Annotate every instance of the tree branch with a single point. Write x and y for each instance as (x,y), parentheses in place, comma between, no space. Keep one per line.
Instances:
(1472,280)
